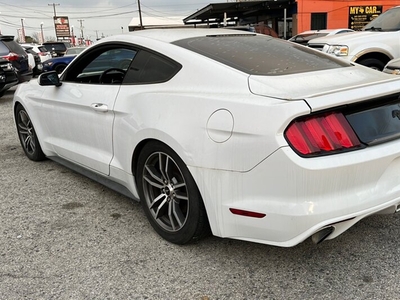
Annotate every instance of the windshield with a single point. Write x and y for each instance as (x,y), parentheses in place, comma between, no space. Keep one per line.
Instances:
(388,21)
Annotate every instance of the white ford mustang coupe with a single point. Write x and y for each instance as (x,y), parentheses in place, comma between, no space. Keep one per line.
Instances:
(249,136)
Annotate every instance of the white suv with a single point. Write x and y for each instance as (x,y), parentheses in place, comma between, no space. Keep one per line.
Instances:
(374,46)
(40,50)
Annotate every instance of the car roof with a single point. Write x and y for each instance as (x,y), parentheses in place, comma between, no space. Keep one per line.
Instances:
(6,37)
(324,31)
(175,34)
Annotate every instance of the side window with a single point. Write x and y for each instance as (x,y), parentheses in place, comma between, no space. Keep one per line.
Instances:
(149,67)
(102,65)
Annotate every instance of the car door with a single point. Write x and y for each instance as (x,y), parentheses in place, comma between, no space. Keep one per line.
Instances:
(79,114)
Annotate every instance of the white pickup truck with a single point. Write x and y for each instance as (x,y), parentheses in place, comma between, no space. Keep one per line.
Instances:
(374,46)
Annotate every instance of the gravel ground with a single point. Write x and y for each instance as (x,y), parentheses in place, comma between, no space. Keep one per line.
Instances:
(64,236)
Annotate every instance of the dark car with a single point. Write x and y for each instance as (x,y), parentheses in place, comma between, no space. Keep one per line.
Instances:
(115,59)
(57,48)
(58,64)
(8,76)
(16,55)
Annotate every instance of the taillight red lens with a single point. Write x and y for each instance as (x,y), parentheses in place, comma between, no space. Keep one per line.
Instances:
(11,56)
(321,134)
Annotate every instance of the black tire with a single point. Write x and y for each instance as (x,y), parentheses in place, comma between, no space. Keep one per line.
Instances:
(60,68)
(372,63)
(166,186)
(27,135)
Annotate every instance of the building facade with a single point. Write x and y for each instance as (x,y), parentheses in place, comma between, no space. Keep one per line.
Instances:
(289,17)
(334,14)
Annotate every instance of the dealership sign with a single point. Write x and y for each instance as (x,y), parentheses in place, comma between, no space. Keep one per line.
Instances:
(359,16)
(62,27)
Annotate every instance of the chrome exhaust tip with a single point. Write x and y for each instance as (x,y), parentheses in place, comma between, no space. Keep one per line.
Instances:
(321,235)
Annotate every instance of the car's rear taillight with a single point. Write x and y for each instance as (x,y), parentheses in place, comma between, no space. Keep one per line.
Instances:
(42,53)
(321,134)
(11,56)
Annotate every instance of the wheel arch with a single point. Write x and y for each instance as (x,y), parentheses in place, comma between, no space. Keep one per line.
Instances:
(134,165)
(136,153)
(16,104)
(383,56)
(167,140)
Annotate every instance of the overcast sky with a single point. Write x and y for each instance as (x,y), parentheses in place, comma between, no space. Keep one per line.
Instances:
(100,17)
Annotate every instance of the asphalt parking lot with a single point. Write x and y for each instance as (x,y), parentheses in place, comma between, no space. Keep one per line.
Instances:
(64,236)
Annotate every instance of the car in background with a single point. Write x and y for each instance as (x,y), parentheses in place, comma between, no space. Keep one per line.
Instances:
(304,37)
(16,55)
(374,46)
(57,48)
(206,138)
(8,76)
(34,60)
(392,67)
(74,50)
(259,28)
(40,50)
(58,64)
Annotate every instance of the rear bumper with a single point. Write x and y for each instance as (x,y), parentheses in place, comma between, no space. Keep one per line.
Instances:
(301,196)
(7,80)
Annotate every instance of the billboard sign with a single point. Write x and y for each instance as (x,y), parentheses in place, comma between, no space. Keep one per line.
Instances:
(359,16)
(62,27)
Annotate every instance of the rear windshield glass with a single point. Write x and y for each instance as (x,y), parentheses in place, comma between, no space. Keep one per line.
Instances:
(307,37)
(14,47)
(55,46)
(260,54)
(3,49)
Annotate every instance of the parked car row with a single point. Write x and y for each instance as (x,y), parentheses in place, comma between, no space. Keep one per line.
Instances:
(14,63)
(20,62)
(59,63)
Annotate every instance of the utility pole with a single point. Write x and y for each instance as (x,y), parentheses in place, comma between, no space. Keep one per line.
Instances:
(140,14)
(55,16)
(54,8)
(80,22)
(22,31)
(41,33)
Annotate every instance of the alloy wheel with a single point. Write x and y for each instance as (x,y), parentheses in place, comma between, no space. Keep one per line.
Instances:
(26,132)
(166,193)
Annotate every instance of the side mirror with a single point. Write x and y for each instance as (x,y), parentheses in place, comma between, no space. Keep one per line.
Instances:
(49,78)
